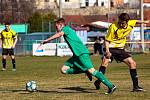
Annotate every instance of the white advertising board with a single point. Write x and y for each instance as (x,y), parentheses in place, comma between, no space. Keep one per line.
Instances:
(48,49)
(135,34)
(63,50)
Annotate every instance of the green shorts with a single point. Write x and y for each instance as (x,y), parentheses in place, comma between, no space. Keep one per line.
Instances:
(82,62)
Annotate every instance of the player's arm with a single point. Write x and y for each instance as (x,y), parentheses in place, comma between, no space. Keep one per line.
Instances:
(100,23)
(57,35)
(0,40)
(14,36)
(108,54)
(0,43)
(143,22)
(15,42)
(108,38)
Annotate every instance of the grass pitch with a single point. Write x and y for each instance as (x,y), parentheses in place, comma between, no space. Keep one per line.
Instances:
(52,85)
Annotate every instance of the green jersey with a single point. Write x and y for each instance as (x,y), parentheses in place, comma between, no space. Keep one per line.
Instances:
(73,41)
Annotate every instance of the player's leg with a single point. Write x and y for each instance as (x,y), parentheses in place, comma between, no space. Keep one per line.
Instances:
(102,69)
(70,70)
(78,63)
(88,66)
(103,66)
(133,73)
(70,67)
(4,62)
(11,53)
(4,56)
(95,48)
(103,79)
(13,62)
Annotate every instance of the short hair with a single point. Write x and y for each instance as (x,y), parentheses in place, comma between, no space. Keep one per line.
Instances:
(60,20)
(7,23)
(124,17)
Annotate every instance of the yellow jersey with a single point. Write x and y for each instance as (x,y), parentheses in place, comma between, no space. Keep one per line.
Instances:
(7,38)
(117,36)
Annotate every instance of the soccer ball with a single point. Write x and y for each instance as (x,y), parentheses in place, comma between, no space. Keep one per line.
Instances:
(31,86)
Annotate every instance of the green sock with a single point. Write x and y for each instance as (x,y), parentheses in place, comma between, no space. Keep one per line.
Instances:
(73,71)
(102,78)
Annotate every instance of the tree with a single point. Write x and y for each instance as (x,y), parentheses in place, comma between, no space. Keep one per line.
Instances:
(39,22)
(35,22)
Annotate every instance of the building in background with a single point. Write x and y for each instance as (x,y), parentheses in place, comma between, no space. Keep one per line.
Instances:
(18,11)
(47,4)
(147,3)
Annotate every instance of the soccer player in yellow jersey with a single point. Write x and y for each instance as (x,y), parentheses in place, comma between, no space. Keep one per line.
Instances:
(8,41)
(114,47)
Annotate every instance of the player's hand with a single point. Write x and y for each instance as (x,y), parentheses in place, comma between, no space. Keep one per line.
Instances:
(147,21)
(44,42)
(13,47)
(108,55)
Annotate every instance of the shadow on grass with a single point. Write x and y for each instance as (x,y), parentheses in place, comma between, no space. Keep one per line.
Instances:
(59,90)
(77,89)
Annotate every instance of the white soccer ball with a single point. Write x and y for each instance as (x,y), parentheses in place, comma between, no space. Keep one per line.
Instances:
(31,86)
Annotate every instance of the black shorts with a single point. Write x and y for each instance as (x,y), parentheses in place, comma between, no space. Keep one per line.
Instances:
(118,54)
(8,52)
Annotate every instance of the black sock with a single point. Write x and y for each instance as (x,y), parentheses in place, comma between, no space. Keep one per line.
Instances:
(14,63)
(102,69)
(4,63)
(134,77)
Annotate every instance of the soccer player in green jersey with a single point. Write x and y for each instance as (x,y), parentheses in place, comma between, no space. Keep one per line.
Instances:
(114,47)
(8,40)
(80,62)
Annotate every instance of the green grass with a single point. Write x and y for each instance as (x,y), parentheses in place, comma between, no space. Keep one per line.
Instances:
(53,85)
